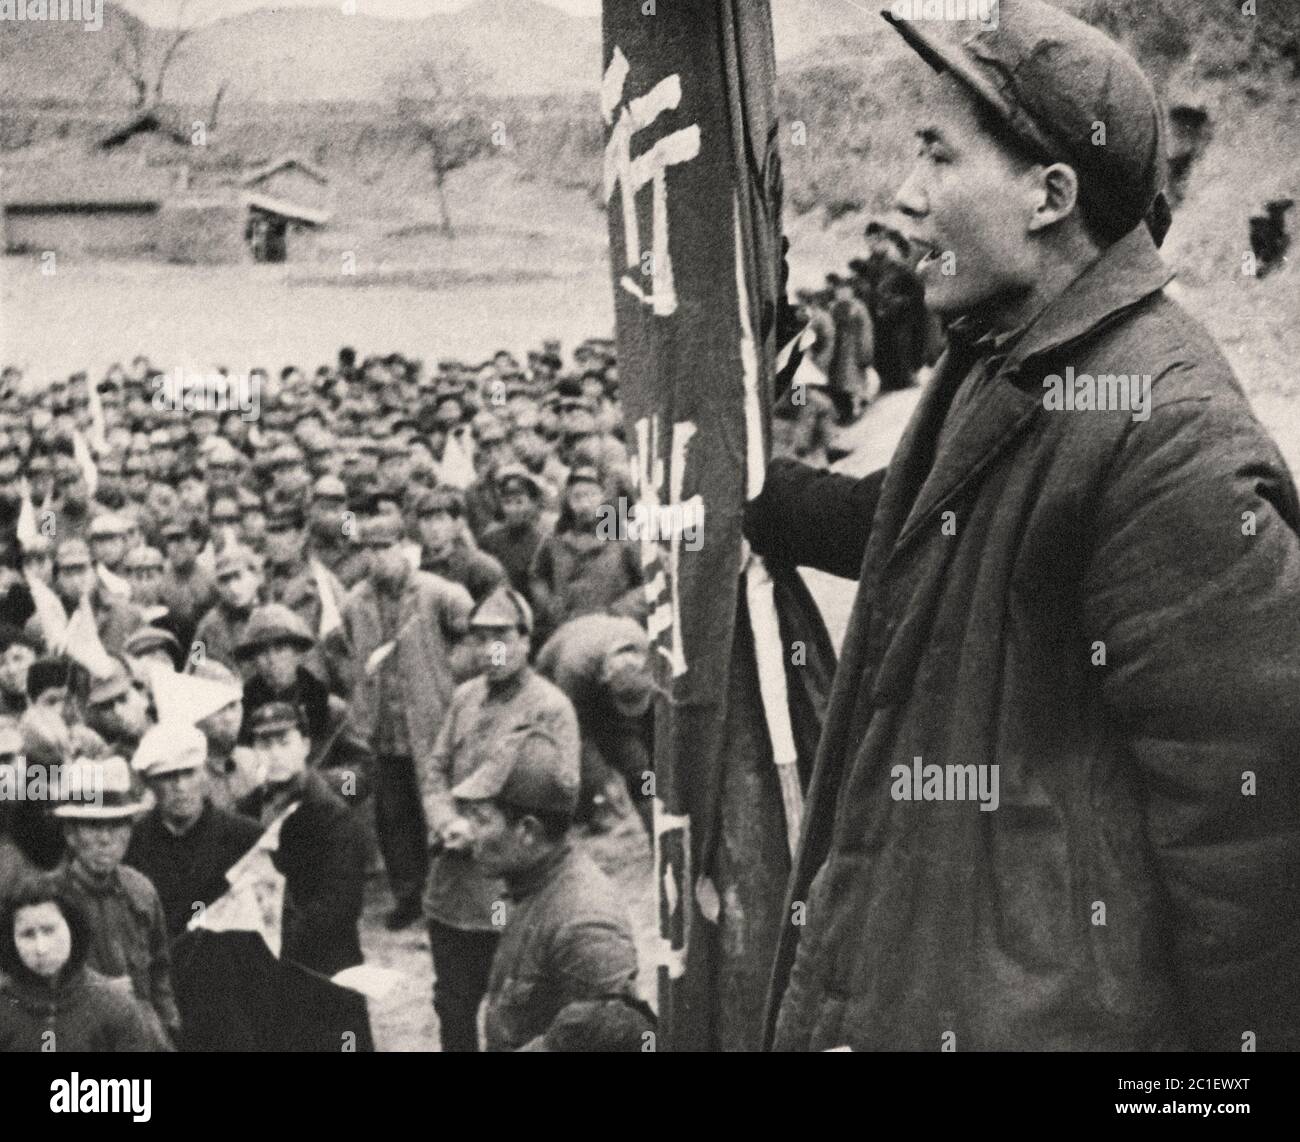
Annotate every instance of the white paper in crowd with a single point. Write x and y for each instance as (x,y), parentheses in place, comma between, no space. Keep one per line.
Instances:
(331,618)
(27,532)
(370,980)
(187,697)
(457,467)
(255,900)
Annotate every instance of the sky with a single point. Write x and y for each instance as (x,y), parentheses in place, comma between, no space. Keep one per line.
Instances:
(163,11)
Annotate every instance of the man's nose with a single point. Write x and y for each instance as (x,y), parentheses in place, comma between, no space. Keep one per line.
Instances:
(910,198)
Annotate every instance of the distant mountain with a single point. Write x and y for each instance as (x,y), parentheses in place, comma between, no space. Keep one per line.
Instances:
(307,54)
(523,47)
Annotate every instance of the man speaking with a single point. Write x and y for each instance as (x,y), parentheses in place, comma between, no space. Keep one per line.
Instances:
(1101,604)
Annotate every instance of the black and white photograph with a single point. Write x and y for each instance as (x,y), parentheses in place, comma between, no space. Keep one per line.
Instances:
(651,527)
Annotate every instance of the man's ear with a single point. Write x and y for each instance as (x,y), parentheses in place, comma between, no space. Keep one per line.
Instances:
(1059,188)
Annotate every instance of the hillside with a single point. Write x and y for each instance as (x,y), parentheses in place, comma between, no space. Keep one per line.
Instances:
(306,54)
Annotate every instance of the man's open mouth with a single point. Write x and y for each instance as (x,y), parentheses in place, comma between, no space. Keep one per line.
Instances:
(922,253)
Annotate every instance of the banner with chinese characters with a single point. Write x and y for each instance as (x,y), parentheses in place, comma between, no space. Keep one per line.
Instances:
(692,186)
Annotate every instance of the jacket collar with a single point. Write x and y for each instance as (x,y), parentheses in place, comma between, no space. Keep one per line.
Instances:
(531,880)
(1125,274)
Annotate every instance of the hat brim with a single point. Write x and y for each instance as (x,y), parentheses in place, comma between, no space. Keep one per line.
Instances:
(249,649)
(100,812)
(945,55)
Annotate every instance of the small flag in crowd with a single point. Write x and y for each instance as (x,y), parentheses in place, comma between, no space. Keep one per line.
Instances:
(255,900)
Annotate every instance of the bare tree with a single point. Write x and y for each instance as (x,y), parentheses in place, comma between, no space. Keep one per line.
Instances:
(144,55)
(441,106)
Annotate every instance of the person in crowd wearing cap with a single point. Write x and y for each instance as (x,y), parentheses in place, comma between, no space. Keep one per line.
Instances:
(1042,588)
(278,645)
(17,653)
(322,851)
(484,714)
(401,628)
(75,579)
(905,335)
(150,648)
(50,999)
(289,579)
(252,520)
(37,565)
(514,541)
(239,586)
(601,662)
(568,940)
(128,934)
(537,455)
(491,451)
(578,570)
(233,769)
(144,570)
(331,532)
(188,590)
(185,844)
(117,708)
(108,549)
(850,384)
(446,547)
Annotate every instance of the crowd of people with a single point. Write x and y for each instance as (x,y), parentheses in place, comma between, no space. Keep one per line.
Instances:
(374,605)
(372,624)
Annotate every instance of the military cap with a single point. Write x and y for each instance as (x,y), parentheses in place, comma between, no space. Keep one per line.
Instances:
(174,528)
(444,500)
(108,524)
(275,718)
(285,455)
(504,607)
(329,488)
(382,528)
(1049,78)
(284,515)
(40,462)
(531,772)
(490,430)
(102,790)
(170,748)
(144,558)
(234,557)
(71,553)
(248,500)
(219,452)
(518,475)
(272,625)
(585,474)
(150,638)
(109,687)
